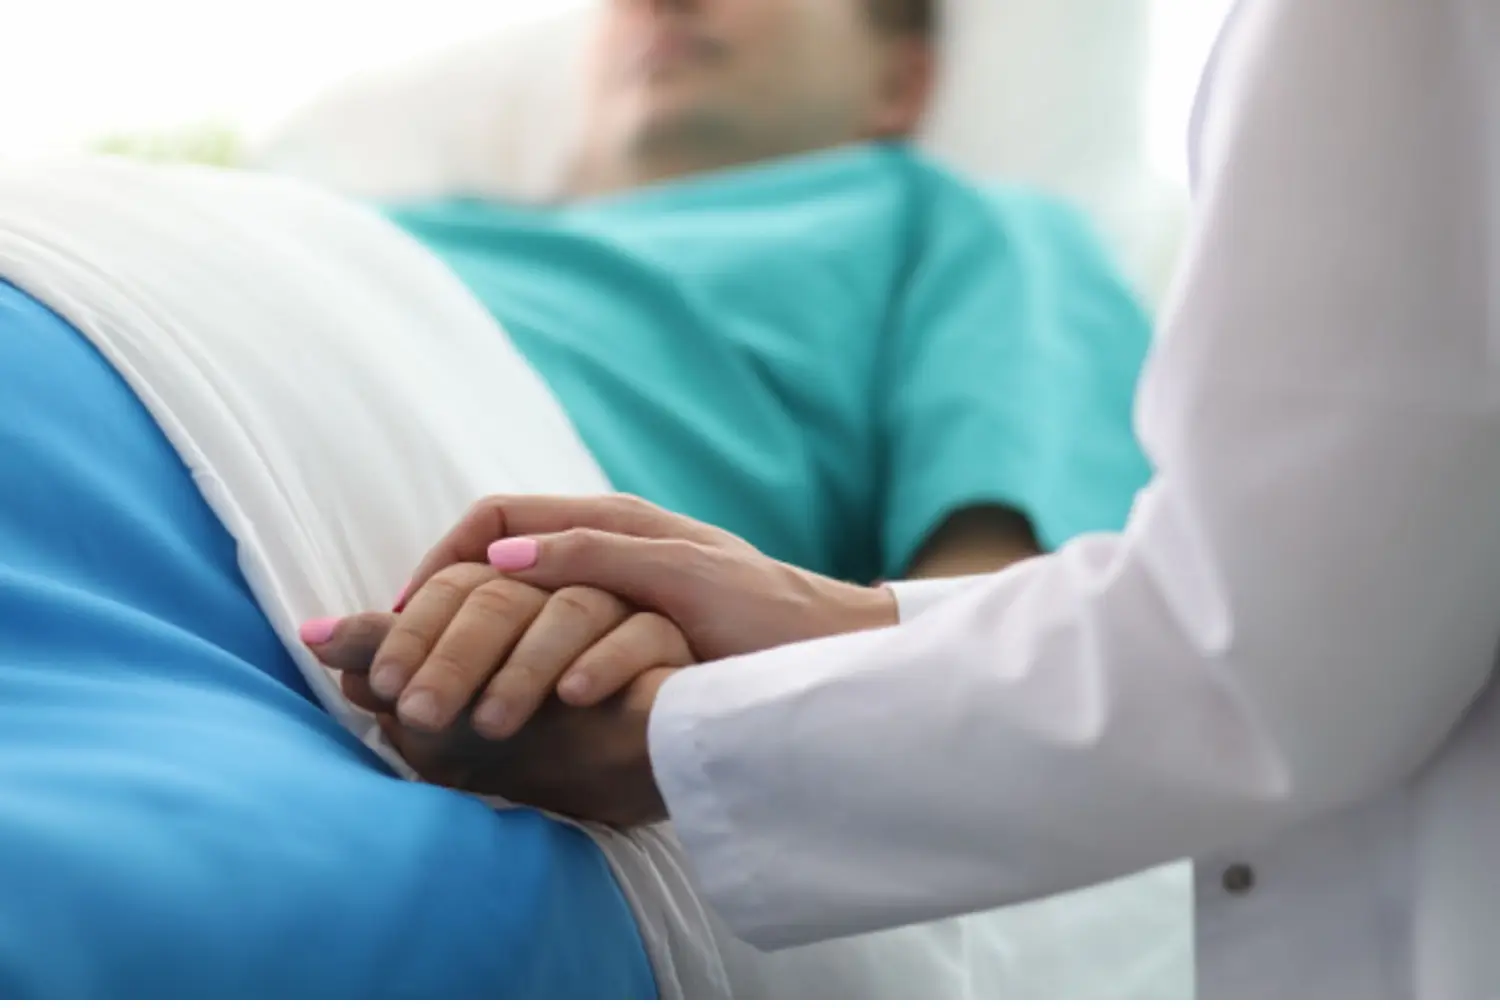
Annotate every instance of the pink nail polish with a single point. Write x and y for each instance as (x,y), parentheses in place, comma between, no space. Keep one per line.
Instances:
(318,631)
(514,554)
(401,598)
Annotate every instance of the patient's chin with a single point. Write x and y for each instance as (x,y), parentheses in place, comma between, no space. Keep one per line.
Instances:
(686,127)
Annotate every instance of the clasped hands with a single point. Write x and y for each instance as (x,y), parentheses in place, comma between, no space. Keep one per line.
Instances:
(526,656)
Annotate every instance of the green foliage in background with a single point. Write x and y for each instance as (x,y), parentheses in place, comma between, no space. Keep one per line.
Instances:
(205,143)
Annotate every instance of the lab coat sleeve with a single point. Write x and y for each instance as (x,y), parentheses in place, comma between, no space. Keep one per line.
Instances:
(1302,604)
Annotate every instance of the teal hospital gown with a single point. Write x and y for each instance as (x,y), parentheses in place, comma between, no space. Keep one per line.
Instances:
(827,355)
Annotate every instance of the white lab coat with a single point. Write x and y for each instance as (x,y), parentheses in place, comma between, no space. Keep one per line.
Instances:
(1283,667)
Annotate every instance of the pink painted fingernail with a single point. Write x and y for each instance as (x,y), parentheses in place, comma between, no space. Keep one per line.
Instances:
(318,631)
(514,554)
(401,599)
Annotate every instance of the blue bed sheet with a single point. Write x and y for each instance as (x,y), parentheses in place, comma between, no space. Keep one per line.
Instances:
(178,818)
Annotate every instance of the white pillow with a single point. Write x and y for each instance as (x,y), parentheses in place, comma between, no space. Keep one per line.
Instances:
(492,117)
(1041,91)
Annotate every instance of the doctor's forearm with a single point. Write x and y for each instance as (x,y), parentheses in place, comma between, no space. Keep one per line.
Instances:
(1299,611)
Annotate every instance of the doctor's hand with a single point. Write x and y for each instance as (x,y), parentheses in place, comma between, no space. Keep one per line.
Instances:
(725,596)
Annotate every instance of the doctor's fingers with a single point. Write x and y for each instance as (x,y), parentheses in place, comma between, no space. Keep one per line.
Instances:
(509,516)
(622,514)
(668,576)
(726,601)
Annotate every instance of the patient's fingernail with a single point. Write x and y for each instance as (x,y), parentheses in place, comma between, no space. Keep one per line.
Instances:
(513,554)
(318,631)
(419,709)
(401,599)
(386,681)
(489,718)
(574,686)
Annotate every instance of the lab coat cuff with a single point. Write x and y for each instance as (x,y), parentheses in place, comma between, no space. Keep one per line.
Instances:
(913,598)
(676,740)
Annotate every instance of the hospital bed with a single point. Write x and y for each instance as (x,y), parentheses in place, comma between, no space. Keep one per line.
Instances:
(404,133)
(496,116)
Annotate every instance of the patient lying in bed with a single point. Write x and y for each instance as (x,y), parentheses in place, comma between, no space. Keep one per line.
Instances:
(833,355)
(762,308)
(182,818)
(854,359)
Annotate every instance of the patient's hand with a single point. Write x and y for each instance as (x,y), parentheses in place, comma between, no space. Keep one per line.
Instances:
(470,629)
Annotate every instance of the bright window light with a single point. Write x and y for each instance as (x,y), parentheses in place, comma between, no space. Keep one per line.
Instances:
(72,71)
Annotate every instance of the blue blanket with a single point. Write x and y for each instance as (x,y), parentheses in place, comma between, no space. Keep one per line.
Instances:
(177,817)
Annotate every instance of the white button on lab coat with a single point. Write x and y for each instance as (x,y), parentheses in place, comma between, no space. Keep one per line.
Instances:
(1283,667)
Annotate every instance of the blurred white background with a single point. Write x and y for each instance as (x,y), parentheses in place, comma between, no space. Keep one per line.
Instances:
(1182,33)
(73,72)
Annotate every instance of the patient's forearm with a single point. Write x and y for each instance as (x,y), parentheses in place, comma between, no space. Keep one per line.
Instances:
(975,541)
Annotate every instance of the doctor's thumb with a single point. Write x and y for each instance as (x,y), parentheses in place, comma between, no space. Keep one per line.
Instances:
(658,574)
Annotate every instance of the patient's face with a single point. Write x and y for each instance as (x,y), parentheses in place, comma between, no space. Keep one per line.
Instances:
(740,80)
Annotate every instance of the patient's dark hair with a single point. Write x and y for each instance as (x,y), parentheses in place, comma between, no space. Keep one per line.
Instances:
(905,17)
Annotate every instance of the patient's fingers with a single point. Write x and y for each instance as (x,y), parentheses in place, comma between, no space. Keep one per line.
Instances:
(349,643)
(356,689)
(417,629)
(644,642)
(477,639)
(567,626)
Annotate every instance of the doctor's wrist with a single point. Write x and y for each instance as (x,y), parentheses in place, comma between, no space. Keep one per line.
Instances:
(787,605)
(839,607)
(868,608)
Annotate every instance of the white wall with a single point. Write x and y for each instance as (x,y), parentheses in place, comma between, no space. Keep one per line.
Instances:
(72,70)
(1065,79)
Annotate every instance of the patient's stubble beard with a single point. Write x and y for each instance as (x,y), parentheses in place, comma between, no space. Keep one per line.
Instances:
(698,141)
(702,140)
